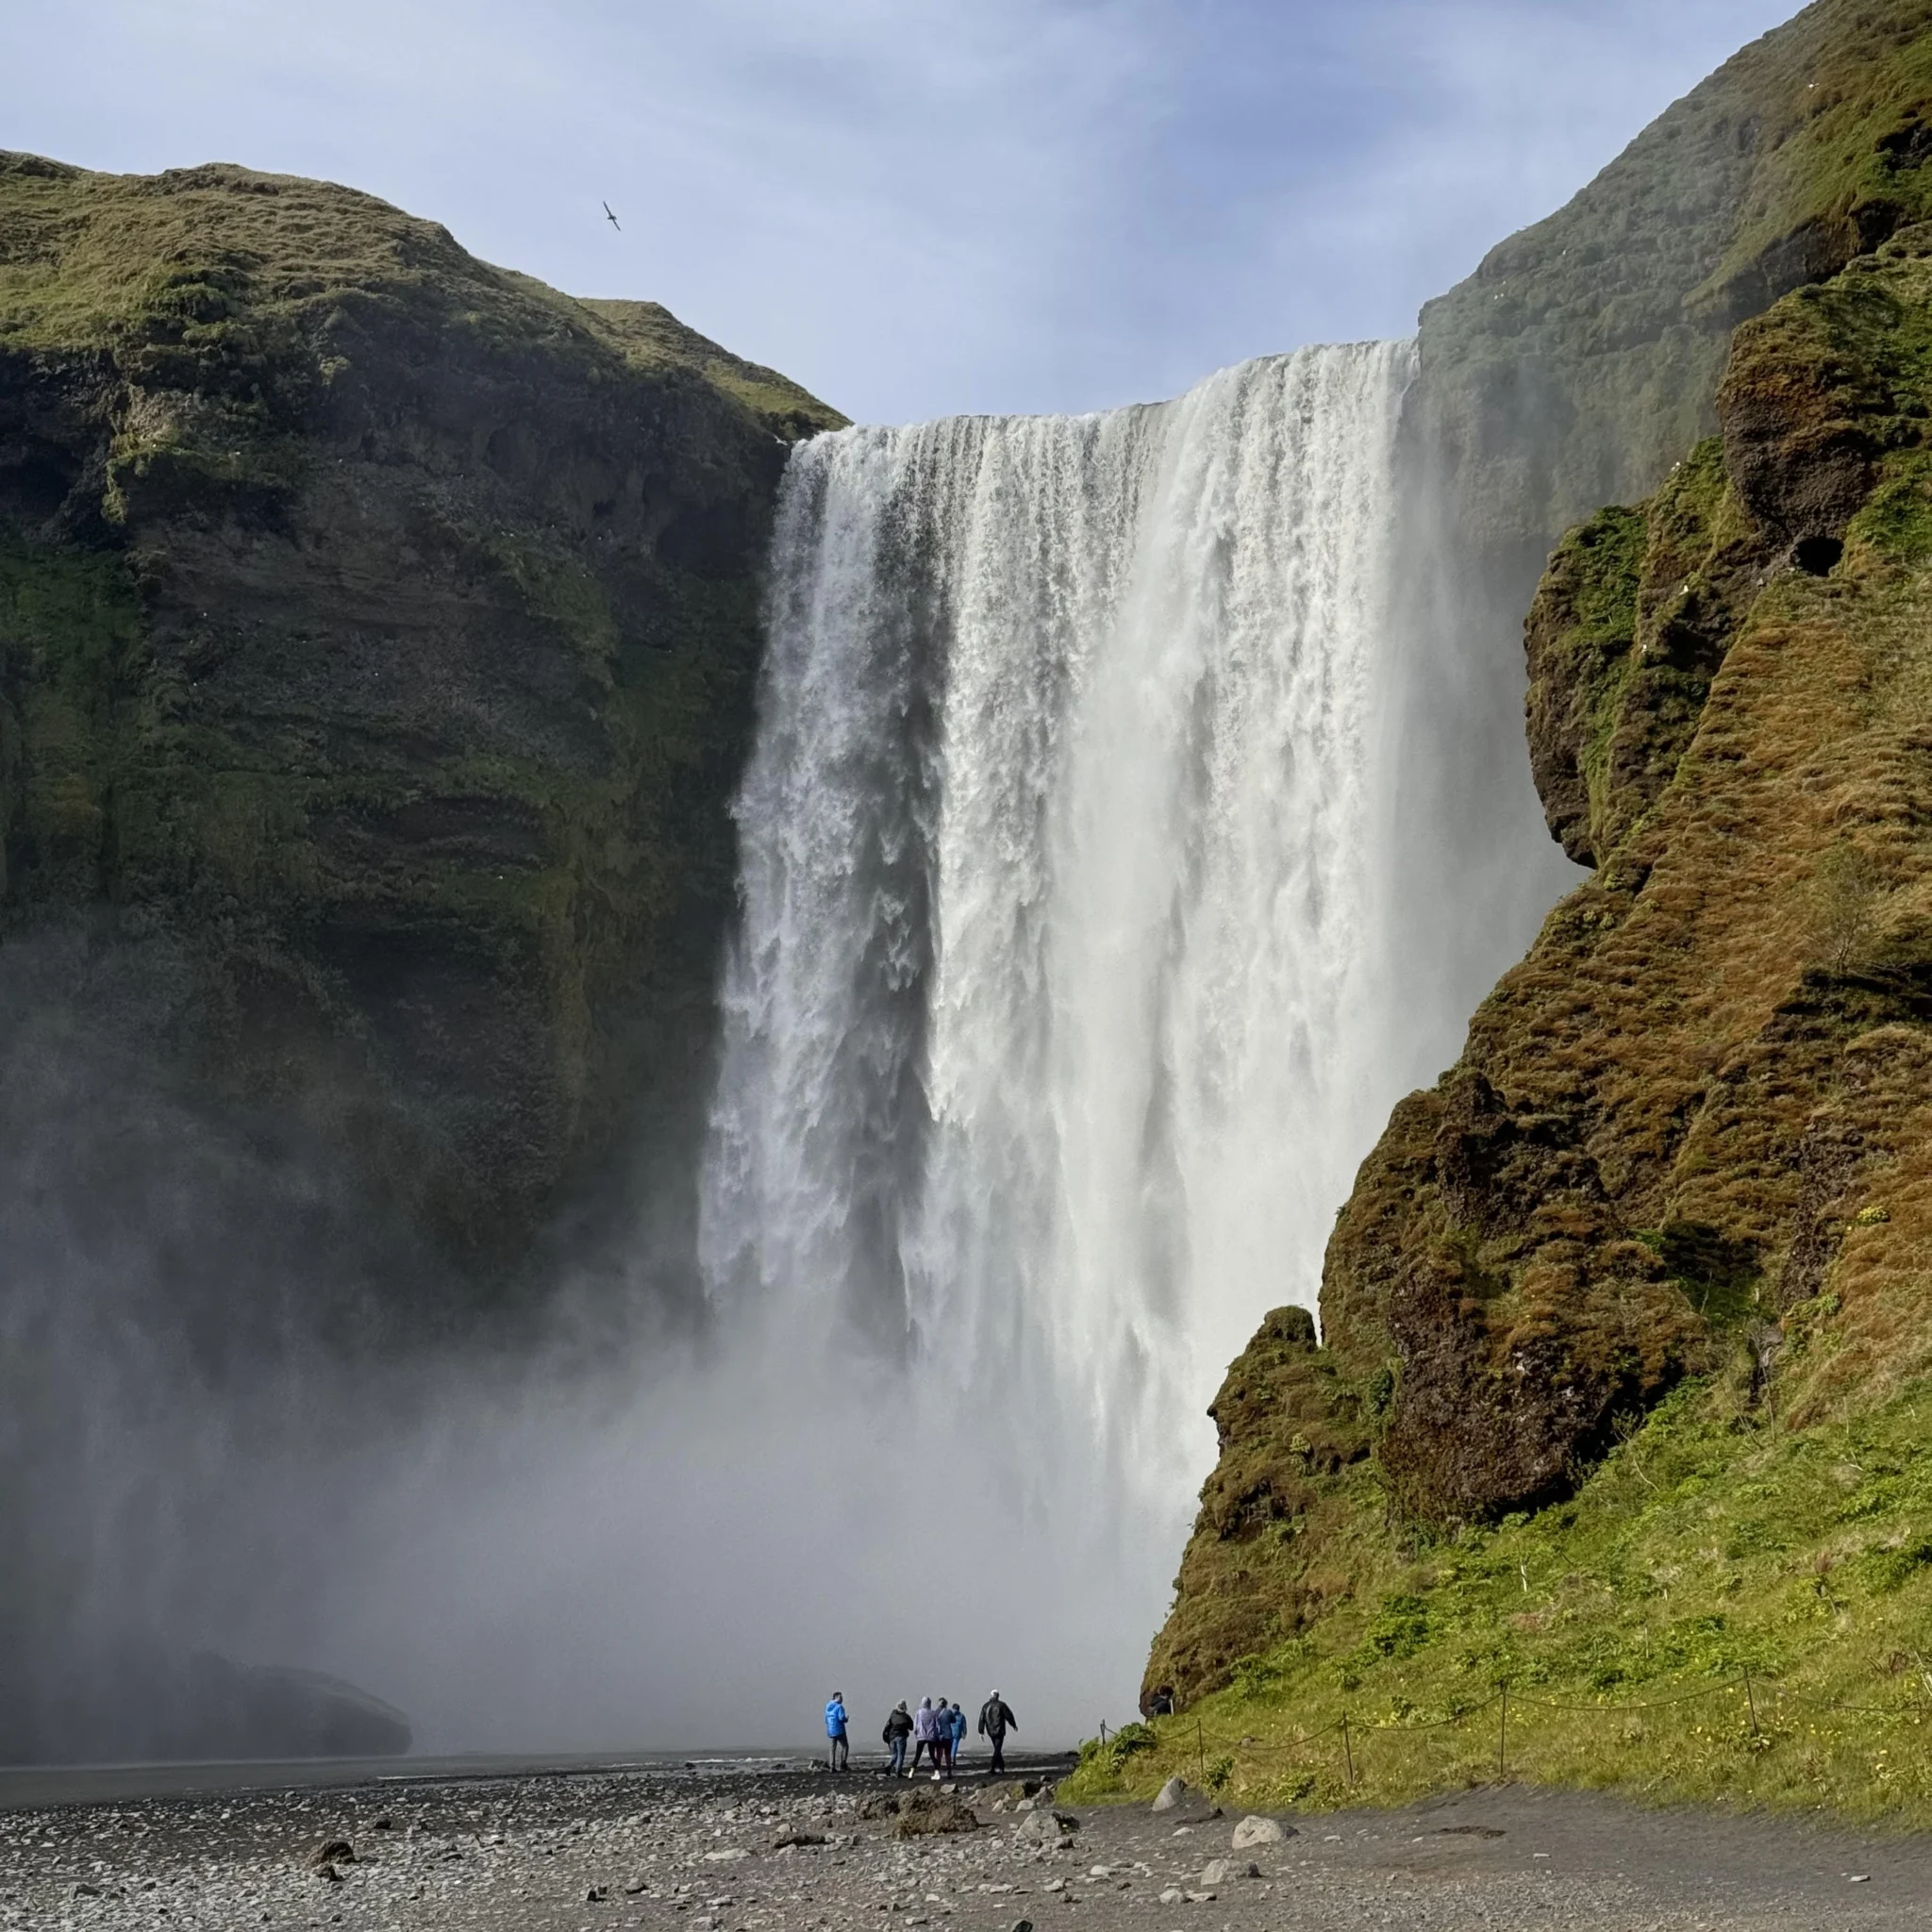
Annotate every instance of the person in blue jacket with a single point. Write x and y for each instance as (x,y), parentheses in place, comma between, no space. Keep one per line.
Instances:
(835,1731)
(958,1717)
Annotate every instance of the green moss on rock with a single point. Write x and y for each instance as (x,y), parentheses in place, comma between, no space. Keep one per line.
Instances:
(381,626)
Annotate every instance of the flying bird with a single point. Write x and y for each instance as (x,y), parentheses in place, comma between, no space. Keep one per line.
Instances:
(612,219)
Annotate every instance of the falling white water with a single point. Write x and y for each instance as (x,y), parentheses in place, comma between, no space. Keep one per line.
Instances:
(1052,1036)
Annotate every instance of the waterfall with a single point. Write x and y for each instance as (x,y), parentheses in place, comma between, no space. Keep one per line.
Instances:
(1052,1030)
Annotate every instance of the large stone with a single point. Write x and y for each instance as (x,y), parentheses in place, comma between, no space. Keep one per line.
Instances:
(1254,1830)
(929,1813)
(1046,1828)
(1170,1793)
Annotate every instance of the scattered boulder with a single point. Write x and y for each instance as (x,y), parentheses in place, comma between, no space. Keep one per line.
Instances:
(928,1812)
(384,1824)
(1021,1926)
(338,1851)
(881,1805)
(1260,1831)
(1171,1792)
(1046,1828)
(797,1837)
(1220,1871)
(595,1894)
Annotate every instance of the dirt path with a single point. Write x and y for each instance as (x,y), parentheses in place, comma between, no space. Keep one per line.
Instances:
(696,1853)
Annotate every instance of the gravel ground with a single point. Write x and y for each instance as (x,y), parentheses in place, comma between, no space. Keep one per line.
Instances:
(702,1853)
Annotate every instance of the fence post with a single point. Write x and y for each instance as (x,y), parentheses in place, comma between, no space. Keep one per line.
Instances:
(1502,1734)
(1103,1730)
(1751,1700)
(1200,1749)
(1347,1751)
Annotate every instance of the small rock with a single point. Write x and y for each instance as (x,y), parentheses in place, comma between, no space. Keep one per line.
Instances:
(86,1891)
(329,1873)
(1046,1828)
(338,1851)
(595,1894)
(731,1854)
(1260,1831)
(384,1824)
(1021,1925)
(1216,1872)
(1171,1792)
(637,1885)
(1200,1898)
(1173,1896)
(797,1837)
(1025,1805)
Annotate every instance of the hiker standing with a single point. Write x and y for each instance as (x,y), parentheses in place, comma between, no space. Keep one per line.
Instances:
(995,1720)
(957,1720)
(898,1728)
(835,1732)
(941,1735)
(926,1735)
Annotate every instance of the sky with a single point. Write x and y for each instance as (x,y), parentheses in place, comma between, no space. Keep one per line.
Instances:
(913,207)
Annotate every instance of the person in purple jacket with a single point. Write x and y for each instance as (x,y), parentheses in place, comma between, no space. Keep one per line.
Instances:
(926,1735)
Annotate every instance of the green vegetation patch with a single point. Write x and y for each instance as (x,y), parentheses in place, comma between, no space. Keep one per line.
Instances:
(1711,1547)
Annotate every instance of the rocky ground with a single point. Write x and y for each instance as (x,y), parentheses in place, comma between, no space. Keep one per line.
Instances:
(794,1851)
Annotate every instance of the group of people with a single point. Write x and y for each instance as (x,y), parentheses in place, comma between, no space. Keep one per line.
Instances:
(935,1731)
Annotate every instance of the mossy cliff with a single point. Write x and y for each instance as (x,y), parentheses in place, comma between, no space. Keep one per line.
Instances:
(377,634)
(1624,1328)
(1582,357)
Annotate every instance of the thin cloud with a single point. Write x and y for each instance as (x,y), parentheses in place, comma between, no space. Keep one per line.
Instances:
(916,208)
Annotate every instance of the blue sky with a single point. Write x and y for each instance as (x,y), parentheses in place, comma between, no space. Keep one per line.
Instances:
(914,207)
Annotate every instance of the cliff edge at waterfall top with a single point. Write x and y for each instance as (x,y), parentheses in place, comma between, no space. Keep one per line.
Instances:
(1620,1401)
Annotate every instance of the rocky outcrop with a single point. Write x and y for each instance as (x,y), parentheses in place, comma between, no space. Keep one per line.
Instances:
(1690,1126)
(377,635)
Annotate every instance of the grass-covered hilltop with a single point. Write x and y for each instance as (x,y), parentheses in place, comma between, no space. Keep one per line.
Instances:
(1621,1406)
(377,635)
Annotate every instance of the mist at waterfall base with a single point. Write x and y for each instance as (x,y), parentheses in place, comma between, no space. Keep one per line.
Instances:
(1094,914)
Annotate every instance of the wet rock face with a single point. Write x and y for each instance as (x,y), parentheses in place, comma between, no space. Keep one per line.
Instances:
(381,628)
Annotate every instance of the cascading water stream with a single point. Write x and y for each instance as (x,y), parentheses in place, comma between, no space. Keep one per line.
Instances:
(1052,1034)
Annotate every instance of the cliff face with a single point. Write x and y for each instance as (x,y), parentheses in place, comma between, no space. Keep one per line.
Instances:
(1582,357)
(1685,1146)
(1574,369)
(377,634)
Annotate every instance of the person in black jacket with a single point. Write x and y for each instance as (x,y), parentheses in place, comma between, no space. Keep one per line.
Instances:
(995,1720)
(898,1728)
